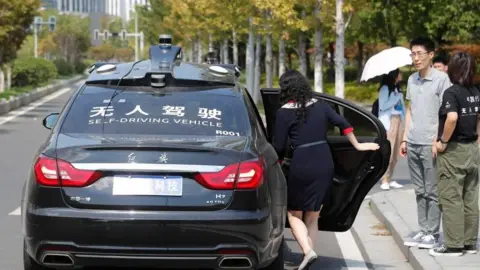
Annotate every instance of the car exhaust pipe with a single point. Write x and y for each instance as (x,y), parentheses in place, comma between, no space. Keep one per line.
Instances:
(57,259)
(237,262)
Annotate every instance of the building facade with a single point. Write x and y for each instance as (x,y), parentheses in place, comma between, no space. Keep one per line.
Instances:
(79,6)
(118,8)
(123,8)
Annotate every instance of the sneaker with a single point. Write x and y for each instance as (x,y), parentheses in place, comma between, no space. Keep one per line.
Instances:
(445,251)
(394,184)
(415,240)
(429,241)
(385,186)
(470,249)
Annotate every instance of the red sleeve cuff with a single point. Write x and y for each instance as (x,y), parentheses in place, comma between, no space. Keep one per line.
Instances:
(347,130)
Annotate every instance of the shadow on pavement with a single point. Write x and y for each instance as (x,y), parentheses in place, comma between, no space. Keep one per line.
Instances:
(31,115)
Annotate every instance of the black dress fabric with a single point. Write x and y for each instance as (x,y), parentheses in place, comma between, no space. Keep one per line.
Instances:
(311,169)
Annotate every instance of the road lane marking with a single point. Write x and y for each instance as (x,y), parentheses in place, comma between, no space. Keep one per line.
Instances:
(351,253)
(16,212)
(23,110)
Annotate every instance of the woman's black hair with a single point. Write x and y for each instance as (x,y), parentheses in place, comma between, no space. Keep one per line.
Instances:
(294,86)
(390,81)
(462,68)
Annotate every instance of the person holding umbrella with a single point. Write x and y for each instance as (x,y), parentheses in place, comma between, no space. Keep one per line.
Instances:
(390,103)
(392,115)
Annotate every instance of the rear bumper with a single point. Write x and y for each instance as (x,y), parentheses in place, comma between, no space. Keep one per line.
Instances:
(150,239)
(193,261)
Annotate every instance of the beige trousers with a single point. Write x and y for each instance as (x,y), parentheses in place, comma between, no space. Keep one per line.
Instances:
(394,135)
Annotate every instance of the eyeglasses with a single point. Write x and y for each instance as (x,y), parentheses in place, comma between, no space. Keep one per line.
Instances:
(419,54)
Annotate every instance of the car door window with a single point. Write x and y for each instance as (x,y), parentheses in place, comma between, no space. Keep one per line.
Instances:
(363,127)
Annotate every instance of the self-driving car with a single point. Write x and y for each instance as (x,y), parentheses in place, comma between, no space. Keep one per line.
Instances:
(168,164)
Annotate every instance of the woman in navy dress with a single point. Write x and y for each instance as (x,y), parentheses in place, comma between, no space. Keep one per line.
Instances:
(305,120)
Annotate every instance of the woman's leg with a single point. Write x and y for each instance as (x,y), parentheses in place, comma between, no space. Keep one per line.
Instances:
(299,230)
(393,135)
(311,221)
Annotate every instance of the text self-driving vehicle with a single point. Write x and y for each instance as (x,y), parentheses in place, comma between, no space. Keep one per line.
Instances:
(167,164)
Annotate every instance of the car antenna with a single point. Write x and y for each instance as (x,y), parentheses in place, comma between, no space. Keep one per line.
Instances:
(115,93)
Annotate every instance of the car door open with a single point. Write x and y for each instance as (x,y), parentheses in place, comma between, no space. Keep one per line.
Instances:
(356,172)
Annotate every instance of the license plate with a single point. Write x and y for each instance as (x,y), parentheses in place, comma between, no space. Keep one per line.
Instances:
(148,185)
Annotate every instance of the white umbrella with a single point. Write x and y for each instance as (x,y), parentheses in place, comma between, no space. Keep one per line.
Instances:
(386,61)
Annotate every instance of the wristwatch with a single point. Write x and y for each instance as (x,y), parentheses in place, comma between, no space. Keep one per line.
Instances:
(442,141)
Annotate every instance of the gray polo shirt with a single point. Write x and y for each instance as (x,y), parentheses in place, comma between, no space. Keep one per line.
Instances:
(425,96)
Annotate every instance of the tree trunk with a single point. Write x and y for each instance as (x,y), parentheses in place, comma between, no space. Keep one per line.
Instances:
(339,52)
(190,50)
(359,60)
(9,76)
(199,50)
(210,43)
(258,71)
(222,58)
(250,61)
(274,66)
(235,47)
(268,60)
(281,57)
(302,48)
(225,52)
(2,80)
(318,72)
(302,56)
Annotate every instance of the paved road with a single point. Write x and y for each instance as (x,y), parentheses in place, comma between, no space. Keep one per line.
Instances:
(401,175)
(21,132)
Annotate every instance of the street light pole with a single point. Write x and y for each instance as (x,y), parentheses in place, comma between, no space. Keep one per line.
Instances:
(37,24)
(136,36)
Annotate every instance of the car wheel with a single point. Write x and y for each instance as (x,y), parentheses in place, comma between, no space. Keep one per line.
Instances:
(278,263)
(29,263)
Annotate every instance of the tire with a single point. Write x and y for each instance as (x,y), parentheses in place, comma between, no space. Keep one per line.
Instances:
(278,263)
(29,263)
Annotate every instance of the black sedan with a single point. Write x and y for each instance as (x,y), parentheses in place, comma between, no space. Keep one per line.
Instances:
(164,163)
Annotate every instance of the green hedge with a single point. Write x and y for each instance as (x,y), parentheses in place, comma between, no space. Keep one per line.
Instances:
(64,67)
(33,72)
(364,93)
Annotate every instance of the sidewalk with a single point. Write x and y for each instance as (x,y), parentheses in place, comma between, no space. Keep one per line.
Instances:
(398,211)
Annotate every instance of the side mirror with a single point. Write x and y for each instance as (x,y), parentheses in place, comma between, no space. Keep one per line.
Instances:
(50,120)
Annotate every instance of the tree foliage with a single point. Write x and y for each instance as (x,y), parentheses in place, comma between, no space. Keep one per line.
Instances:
(15,19)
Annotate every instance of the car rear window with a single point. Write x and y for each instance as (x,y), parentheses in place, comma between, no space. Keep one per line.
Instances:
(197,113)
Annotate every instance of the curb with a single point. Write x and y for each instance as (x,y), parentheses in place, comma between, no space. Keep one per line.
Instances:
(7,105)
(387,214)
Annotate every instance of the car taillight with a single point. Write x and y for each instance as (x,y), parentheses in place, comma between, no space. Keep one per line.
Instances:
(243,175)
(57,172)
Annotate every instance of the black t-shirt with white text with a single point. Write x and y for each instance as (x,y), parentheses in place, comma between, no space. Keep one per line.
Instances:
(466,102)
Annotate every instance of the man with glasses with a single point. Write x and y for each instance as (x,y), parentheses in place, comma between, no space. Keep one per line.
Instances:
(424,92)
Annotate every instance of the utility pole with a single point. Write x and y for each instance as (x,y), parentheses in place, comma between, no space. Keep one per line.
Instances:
(37,25)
